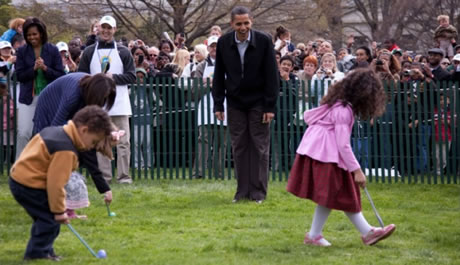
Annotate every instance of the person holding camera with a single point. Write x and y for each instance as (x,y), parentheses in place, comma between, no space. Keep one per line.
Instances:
(67,62)
(140,55)
(386,66)
(326,75)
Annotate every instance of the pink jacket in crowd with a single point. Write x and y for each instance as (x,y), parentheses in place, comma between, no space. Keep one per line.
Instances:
(327,138)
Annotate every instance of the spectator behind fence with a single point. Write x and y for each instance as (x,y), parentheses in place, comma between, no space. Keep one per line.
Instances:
(93,33)
(181,59)
(282,40)
(310,65)
(211,133)
(67,62)
(251,89)
(153,54)
(445,35)
(390,44)
(15,27)
(326,75)
(323,48)
(144,104)
(140,55)
(105,56)
(387,66)
(166,47)
(435,56)
(38,63)
(445,63)
(443,133)
(287,105)
(201,53)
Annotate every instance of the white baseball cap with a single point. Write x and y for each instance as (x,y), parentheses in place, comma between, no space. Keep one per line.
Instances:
(5,44)
(62,46)
(108,20)
(456,57)
(212,39)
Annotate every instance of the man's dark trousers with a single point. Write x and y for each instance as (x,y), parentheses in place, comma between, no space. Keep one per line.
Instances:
(44,229)
(251,147)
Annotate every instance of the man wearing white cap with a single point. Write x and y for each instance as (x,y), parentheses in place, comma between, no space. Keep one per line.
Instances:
(106,56)
(69,65)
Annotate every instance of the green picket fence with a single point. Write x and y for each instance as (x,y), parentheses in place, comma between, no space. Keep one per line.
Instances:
(174,134)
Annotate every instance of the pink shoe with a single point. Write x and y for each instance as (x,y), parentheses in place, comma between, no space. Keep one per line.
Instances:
(318,241)
(376,234)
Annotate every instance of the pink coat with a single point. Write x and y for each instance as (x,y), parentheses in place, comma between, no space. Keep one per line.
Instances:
(327,138)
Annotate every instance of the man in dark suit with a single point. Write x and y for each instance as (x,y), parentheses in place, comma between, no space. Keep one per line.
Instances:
(246,75)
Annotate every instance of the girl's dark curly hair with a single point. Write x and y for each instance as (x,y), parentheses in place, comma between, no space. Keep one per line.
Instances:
(363,90)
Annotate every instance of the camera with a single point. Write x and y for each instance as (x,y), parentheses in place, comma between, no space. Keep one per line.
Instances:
(67,55)
(406,72)
(141,59)
(379,62)
(314,45)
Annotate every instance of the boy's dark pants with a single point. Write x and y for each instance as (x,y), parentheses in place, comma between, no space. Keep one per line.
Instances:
(44,229)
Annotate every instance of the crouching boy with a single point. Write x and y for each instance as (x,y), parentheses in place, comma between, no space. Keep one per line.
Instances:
(42,170)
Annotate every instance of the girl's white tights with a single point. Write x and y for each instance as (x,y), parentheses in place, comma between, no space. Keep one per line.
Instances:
(360,222)
(322,213)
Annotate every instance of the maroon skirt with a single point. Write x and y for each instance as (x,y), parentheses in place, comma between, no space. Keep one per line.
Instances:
(324,183)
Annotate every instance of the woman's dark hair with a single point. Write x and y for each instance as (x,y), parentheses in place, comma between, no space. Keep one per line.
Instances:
(421,58)
(142,48)
(280,31)
(363,90)
(168,42)
(95,118)
(368,53)
(98,89)
(41,27)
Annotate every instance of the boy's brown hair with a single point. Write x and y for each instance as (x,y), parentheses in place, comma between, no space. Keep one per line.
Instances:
(97,119)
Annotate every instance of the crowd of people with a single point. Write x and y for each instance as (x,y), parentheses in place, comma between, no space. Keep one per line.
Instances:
(26,51)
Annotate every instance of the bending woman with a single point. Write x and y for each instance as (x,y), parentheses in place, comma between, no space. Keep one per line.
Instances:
(59,102)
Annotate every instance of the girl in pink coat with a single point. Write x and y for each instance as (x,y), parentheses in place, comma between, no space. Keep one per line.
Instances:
(325,169)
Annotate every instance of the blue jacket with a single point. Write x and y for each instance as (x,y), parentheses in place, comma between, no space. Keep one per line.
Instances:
(58,102)
(25,62)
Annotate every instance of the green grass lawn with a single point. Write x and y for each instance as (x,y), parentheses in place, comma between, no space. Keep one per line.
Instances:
(194,222)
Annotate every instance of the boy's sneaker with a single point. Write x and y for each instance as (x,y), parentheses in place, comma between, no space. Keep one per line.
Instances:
(376,234)
(317,241)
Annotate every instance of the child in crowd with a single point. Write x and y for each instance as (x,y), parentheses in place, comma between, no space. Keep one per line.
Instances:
(325,169)
(42,170)
(445,35)
(15,27)
(442,126)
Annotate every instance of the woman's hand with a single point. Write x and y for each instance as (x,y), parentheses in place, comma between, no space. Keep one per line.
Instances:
(108,197)
(40,64)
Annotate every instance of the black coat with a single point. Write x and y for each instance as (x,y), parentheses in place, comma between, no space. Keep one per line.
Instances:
(258,85)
